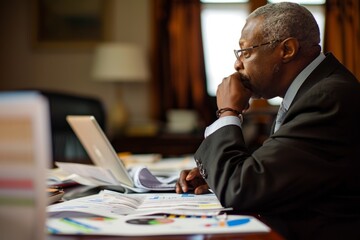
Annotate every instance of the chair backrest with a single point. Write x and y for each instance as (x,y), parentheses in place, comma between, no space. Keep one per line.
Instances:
(66,146)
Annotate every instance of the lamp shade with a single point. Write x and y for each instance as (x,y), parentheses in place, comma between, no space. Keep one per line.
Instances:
(123,62)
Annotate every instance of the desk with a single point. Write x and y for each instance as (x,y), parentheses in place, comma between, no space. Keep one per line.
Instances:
(253,236)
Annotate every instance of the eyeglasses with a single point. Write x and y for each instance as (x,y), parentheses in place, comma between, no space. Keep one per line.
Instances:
(246,52)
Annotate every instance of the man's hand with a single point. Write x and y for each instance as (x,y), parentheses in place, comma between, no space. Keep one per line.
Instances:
(231,93)
(191,180)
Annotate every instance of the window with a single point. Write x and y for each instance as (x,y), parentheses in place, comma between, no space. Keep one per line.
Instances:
(222,22)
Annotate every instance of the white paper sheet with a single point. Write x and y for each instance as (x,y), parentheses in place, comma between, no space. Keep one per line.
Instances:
(117,214)
(114,204)
(92,175)
(155,225)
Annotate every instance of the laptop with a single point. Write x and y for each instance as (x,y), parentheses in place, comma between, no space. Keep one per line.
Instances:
(103,155)
(99,147)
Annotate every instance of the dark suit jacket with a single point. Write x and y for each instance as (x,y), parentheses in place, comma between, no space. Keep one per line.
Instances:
(305,179)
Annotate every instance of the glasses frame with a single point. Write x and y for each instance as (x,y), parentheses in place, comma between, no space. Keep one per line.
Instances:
(238,52)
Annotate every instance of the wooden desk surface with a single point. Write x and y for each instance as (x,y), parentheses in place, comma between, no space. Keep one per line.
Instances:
(244,236)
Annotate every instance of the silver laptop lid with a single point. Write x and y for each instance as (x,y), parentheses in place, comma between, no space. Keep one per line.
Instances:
(99,147)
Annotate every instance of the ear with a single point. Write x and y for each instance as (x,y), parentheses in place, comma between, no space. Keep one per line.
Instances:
(290,47)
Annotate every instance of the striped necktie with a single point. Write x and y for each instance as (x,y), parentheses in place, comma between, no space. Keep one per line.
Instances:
(280,116)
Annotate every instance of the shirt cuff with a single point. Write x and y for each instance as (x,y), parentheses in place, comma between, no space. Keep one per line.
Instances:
(221,122)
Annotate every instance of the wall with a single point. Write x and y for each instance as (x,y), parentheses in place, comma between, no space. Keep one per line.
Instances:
(23,66)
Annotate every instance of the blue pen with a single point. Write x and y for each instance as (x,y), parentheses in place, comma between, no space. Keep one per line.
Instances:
(236,222)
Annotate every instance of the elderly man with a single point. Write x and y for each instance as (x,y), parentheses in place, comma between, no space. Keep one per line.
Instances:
(304,181)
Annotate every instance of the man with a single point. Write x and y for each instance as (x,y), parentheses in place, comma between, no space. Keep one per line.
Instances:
(304,181)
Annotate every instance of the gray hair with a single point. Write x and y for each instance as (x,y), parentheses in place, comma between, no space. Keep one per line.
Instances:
(285,19)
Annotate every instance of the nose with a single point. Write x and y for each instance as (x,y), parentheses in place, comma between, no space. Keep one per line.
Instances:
(238,65)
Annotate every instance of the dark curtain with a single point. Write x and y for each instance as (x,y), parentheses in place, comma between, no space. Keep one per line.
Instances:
(254,4)
(342,32)
(177,59)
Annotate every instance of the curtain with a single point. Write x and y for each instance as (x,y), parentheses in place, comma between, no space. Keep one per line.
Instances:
(342,32)
(179,79)
(254,4)
(177,59)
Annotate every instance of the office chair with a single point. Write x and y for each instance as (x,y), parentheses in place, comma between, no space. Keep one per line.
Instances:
(65,145)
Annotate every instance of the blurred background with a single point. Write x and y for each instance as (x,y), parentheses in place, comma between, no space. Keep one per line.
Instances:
(169,55)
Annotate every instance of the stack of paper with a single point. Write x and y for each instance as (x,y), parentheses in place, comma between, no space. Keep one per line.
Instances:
(155,225)
(117,214)
(113,204)
(92,175)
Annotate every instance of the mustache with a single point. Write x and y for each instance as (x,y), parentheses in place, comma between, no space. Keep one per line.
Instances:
(246,81)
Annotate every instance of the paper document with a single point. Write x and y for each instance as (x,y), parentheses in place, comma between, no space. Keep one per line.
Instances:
(113,204)
(58,178)
(154,225)
(117,214)
(92,175)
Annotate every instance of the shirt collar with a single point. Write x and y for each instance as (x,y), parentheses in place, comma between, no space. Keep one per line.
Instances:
(299,80)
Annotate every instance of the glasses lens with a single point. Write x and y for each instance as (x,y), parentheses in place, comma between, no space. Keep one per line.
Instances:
(246,53)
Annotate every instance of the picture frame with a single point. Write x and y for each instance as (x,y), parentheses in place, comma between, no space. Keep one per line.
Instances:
(69,23)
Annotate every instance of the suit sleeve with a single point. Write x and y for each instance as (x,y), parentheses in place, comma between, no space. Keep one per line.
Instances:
(313,155)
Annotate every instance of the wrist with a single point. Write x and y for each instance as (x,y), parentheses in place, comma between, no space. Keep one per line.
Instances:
(222,112)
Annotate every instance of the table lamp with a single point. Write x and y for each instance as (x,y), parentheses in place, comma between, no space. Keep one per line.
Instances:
(119,62)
